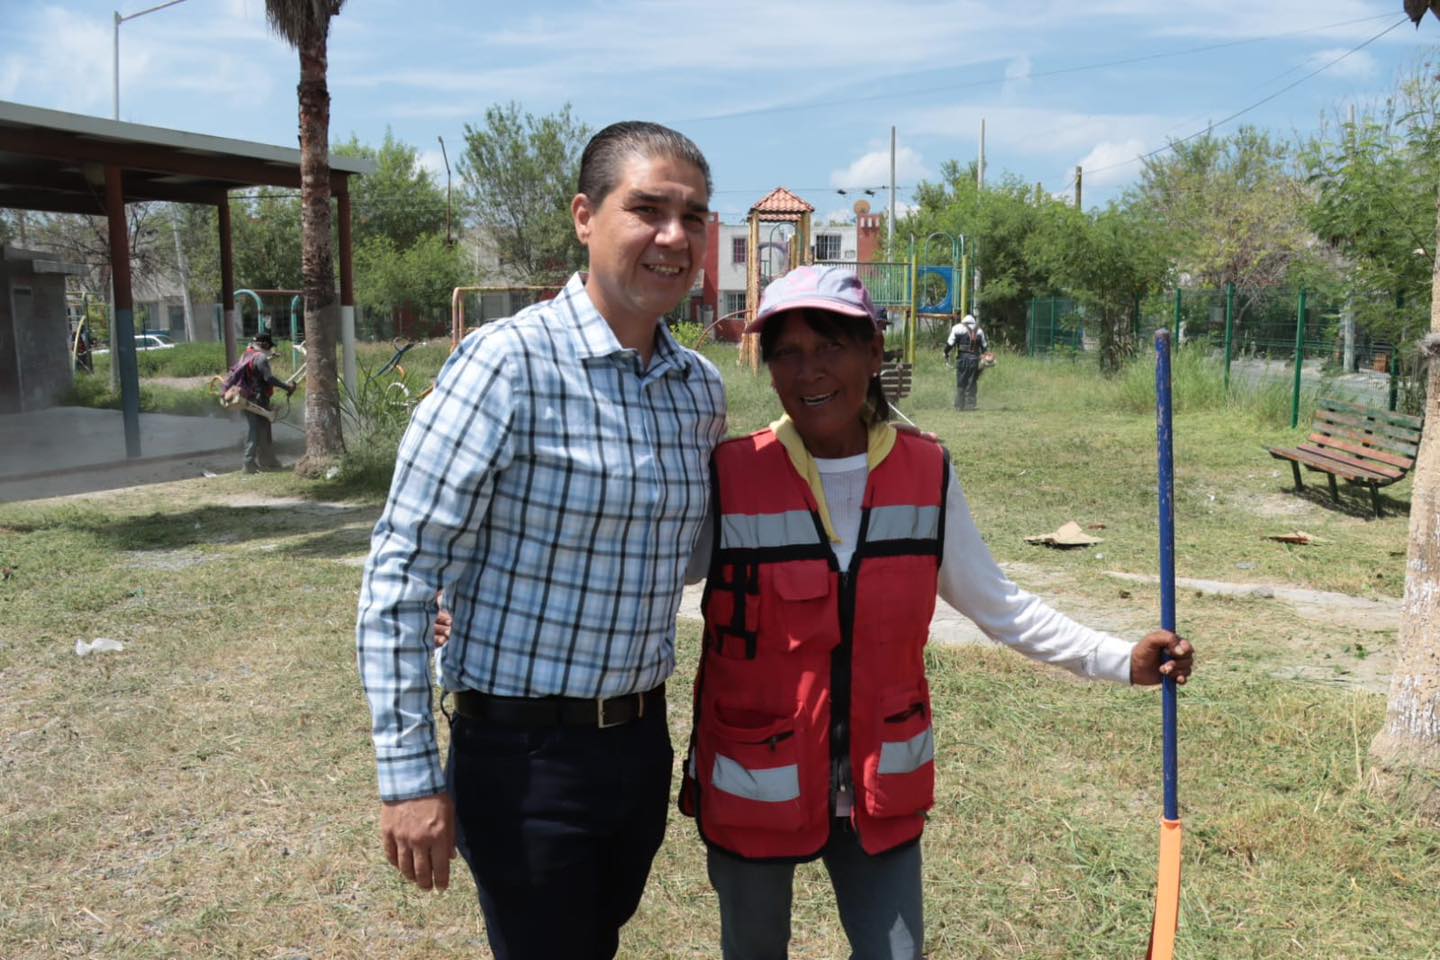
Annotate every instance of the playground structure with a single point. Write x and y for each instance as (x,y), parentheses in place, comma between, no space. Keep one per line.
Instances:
(527,294)
(297,324)
(910,293)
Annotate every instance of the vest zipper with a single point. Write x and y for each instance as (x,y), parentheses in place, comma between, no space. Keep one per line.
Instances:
(841,664)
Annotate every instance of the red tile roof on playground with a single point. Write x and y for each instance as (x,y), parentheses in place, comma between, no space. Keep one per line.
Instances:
(781,200)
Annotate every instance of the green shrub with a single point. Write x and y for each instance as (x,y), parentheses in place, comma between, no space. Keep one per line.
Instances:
(687,334)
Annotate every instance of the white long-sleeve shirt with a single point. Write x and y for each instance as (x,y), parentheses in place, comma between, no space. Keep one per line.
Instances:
(972,582)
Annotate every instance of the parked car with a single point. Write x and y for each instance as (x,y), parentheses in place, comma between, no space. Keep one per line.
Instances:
(147,341)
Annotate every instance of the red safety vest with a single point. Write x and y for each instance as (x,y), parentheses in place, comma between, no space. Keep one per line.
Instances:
(812,677)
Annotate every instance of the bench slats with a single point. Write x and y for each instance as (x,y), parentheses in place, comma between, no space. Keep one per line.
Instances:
(1371,466)
(1345,443)
(1399,435)
(895,380)
(1325,464)
(1357,444)
(1384,416)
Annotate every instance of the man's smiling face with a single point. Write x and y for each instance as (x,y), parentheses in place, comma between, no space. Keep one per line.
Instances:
(646,238)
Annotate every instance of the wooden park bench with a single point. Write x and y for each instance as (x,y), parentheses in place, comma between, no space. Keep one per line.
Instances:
(895,380)
(1360,445)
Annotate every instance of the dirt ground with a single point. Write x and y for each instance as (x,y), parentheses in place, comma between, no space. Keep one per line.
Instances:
(1328,638)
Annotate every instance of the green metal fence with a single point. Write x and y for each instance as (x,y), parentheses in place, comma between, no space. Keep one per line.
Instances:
(887,283)
(1055,324)
(1309,334)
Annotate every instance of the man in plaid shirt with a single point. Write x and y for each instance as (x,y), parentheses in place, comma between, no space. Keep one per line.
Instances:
(553,486)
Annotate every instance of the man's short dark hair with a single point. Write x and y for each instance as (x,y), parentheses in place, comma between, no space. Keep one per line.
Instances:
(607,151)
(265,338)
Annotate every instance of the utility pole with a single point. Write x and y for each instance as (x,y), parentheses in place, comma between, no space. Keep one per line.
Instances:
(890,233)
(1079,176)
(980,166)
(115,52)
(449,239)
(980,183)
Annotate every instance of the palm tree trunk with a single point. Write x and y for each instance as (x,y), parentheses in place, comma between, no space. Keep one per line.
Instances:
(323,440)
(1406,752)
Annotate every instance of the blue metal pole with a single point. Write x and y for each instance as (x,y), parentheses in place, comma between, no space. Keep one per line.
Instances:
(1165,449)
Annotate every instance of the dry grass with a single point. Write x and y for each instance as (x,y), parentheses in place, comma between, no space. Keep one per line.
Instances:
(209,791)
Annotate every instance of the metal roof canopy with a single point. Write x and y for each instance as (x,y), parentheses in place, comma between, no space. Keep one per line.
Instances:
(53,161)
(69,163)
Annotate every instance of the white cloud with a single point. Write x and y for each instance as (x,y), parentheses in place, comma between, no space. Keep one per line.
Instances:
(1031,131)
(434,161)
(1357,66)
(1112,162)
(65,60)
(1246,18)
(873,169)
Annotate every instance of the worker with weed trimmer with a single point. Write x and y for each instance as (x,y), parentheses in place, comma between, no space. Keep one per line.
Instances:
(251,383)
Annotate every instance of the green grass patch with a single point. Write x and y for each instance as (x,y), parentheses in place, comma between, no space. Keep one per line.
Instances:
(209,791)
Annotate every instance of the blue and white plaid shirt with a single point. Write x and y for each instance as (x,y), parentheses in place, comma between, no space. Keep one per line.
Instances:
(555,489)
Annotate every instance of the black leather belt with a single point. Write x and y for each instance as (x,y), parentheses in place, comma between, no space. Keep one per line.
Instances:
(559,711)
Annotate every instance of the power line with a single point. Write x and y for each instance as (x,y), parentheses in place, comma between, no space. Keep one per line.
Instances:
(1062,71)
(1258,103)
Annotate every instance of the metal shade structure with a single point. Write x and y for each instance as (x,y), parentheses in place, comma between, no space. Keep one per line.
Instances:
(59,162)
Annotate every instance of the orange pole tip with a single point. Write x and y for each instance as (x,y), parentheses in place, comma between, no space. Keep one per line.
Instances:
(1167,894)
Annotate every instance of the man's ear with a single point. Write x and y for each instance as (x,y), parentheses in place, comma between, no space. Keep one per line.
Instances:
(581,210)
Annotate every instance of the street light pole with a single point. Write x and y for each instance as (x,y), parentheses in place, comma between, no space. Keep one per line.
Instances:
(115,52)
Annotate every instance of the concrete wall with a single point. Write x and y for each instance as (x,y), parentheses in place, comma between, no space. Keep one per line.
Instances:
(34,334)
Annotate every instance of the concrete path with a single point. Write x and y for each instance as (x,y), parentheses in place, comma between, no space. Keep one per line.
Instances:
(1337,609)
(68,450)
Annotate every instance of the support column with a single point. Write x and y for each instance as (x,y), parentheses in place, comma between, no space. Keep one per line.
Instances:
(122,326)
(230,317)
(347,289)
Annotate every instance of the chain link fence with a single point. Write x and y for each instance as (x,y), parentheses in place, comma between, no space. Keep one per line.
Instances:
(1360,348)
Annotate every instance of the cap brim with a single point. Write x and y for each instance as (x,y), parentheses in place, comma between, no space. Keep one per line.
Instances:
(810,303)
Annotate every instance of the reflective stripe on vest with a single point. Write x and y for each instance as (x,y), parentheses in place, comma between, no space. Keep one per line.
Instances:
(907,756)
(775,785)
(740,531)
(903,523)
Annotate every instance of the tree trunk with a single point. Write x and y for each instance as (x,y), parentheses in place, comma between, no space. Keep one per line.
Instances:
(1406,753)
(182,266)
(323,440)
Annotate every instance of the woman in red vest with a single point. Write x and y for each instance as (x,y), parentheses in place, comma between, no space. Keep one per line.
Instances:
(833,535)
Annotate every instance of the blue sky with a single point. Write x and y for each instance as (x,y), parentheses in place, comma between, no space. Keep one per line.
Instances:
(801,94)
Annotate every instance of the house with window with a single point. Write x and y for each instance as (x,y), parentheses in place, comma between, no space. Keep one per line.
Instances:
(856,240)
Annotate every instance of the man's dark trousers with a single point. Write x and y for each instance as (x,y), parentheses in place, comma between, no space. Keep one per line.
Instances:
(559,826)
(967,379)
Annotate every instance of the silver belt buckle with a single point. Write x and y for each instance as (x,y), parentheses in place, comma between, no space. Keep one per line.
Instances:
(604,724)
(600,720)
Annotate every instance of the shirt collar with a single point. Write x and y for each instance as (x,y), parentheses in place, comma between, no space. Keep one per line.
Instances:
(881,441)
(594,338)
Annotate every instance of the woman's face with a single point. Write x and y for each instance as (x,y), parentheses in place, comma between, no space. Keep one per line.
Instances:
(823,382)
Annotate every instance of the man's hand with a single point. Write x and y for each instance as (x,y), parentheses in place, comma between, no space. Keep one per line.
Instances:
(442,627)
(1146,670)
(420,839)
(289,389)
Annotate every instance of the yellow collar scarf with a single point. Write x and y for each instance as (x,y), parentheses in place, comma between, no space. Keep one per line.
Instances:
(881,442)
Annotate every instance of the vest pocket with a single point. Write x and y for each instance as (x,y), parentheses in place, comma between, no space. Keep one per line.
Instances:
(733,614)
(801,608)
(753,774)
(900,775)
